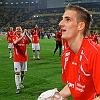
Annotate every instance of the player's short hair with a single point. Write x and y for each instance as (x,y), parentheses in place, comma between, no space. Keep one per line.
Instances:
(19,27)
(83,15)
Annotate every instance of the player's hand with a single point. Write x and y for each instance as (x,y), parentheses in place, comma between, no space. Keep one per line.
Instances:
(57,96)
(48,95)
(25,30)
(23,34)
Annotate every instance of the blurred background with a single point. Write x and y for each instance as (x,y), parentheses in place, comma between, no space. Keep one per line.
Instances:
(45,13)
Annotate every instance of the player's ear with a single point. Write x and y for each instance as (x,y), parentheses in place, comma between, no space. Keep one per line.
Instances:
(81,26)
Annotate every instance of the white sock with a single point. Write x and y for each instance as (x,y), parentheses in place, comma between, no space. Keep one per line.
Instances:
(17,81)
(10,52)
(33,54)
(38,53)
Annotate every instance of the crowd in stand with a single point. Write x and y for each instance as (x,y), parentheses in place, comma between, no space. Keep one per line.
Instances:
(47,19)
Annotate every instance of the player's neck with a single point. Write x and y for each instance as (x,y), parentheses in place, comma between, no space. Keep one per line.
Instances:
(75,44)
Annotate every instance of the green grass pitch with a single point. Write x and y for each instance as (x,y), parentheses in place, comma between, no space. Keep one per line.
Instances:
(41,75)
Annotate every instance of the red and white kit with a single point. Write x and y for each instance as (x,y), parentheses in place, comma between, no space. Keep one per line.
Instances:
(81,71)
(20,51)
(9,38)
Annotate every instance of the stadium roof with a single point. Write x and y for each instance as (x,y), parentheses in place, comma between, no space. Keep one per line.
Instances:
(42,3)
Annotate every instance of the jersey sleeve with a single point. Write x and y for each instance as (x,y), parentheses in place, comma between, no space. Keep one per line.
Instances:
(64,79)
(96,72)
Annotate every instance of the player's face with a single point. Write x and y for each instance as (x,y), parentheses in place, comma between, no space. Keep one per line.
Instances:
(36,26)
(69,25)
(18,30)
(11,28)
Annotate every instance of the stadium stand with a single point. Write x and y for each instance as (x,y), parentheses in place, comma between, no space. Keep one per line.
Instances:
(47,19)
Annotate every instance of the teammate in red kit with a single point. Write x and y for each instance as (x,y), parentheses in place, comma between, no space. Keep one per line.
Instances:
(93,37)
(81,59)
(20,56)
(35,44)
(10,34)
(58,43)
(36,29)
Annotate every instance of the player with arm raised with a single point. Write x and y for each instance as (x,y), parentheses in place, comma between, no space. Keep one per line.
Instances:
(20,56)
(35,44)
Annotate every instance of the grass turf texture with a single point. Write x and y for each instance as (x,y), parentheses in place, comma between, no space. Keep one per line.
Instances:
(41,75)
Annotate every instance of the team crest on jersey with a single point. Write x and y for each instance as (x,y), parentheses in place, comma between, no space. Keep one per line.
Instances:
(68,53)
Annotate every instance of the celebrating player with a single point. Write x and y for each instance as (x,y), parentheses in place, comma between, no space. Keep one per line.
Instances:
(20,56)
(36,29)
(35,44)
(10,34)
(58,43)
(80,60)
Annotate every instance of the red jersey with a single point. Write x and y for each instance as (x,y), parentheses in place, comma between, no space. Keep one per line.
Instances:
(10,35)
(20,51)
(35,31)
(58,36)
(93,37)
(35,39)
(82,71)
(65,44)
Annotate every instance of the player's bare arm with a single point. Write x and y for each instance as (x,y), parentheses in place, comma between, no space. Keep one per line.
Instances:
(25,34)
(18,40)
(28,38)
(65,92)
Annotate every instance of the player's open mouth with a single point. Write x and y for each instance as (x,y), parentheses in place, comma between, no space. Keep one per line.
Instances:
(63,30)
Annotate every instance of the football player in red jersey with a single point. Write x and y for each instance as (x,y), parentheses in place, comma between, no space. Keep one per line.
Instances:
(35,44)
(81,59)
(58,43)
(36,29)
(20,56)
(10,34)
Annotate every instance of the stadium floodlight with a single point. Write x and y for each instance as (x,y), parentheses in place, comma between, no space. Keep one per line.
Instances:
(0,2)
(22,2)
(26,2)
(16,3)
(11,3)
(6,3)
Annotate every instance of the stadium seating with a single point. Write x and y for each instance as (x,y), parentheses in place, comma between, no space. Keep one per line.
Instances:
(47,19)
